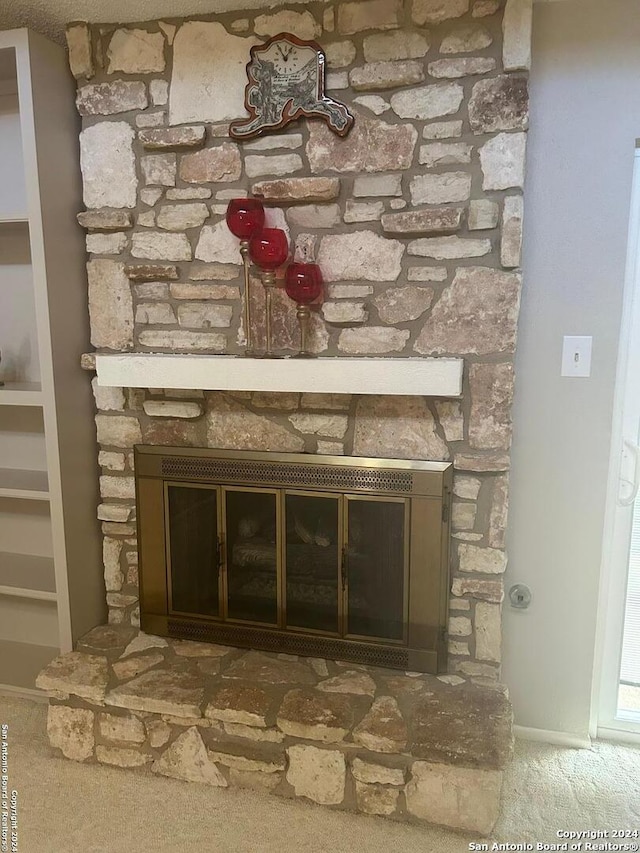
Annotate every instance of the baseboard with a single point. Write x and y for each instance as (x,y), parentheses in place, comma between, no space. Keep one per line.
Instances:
(23,693)
(619,735)
(556,738)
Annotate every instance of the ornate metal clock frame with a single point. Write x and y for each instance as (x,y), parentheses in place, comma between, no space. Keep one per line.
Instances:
(286,80)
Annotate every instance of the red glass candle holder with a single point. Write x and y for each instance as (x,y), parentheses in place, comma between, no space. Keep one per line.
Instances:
(245,217)
(303,284)
(269,249)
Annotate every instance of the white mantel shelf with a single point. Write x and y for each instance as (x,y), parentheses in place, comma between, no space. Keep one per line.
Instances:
(424,377)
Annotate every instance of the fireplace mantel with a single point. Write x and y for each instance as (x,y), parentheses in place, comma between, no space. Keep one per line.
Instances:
(426,377)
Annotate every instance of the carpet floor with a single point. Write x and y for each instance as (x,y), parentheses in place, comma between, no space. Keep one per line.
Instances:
(65,807)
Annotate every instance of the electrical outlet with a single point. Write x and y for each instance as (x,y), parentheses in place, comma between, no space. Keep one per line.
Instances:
(576,356)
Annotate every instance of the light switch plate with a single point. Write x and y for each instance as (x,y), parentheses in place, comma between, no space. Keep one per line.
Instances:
(576,356)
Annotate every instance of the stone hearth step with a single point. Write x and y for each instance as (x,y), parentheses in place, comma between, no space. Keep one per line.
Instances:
(409,746)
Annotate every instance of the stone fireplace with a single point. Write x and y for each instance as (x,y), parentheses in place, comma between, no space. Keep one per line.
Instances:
(415,219)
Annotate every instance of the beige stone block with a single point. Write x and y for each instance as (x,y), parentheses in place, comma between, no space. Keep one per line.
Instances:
(279,164)
(488,631)
(402,304)
(466,487)
(377,185)
(230,425)
(150,195)
(314,215)
(499,512)
(486,561)
(463,66)
(118,430)
(243,705)
(161,692)
(218,245)
(466,39)
(242,763)
(113,576)
(463,516)
(363,211)
(298,189)
(155,119)
(301,24)
(516,32)
(353,682)
(437,11)
(105,219)
(483,214)
(485,8)
(155,314)
(467,300)
(376,799)
(157,246)
(459,797)
(442,188)
(447,248)
(340,54)
(252,733)
(375,103)
(427,273)
(502,159)
(445,154)
(315,715)
(499,103)
(77,674)
(114,512)
(135,665)
(108,165)
(80,52)
(117,728)
(330,448)
(208,75)
(376,774)
(136,52)
(106,244)
(371,340)
(159,92)
(334,426)
(179,217)
(383,729)
(386,75)
(159,169)
(183,341)
(71,730)
(401,44)
(318,774)
(172,409)
(397,428)
(275,140)
(188,290)
(111,461)
(117,487)
(219,163)
(432,101)
(187,759)
(371,146)
(158,733)
(436,220)
(187,193)
(142,642)
(198,315)
(491,387)
(442,130)
(107,399)
(368,15)
(451,419)
(360,255)
(344,313)
(105,99)
(511,243)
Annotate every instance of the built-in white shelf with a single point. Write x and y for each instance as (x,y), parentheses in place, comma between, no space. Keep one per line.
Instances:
(25,485)
(21,394)
(14,219)
(424,377)
(27,576)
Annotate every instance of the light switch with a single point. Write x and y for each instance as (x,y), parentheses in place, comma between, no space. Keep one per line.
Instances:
(576,356)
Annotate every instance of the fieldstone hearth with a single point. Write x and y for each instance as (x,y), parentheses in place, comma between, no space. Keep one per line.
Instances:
(409,746)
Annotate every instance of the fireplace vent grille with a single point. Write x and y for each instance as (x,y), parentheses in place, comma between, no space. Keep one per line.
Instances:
(367,479)
(275,642)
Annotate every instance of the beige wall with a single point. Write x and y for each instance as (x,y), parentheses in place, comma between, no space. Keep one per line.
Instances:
(585,117)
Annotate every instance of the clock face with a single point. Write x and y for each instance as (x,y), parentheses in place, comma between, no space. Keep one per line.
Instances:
(289,59)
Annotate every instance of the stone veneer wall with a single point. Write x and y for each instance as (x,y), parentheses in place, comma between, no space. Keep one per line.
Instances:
(415,219)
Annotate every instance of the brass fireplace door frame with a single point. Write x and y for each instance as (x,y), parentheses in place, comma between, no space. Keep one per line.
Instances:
(424,487)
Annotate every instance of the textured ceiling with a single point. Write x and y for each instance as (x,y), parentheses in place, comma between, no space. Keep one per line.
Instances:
(49,17)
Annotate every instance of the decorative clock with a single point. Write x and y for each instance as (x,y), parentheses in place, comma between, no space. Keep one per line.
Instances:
(286,81)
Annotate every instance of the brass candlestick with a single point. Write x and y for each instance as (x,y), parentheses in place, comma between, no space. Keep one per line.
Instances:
(244,251)
(268,282)
(303,314)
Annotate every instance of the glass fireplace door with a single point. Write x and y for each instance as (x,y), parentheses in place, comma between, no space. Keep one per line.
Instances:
(375,567)
(194,557)
(313,543)
(252,547)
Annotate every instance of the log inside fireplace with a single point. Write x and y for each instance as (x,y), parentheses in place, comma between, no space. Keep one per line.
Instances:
(338,557)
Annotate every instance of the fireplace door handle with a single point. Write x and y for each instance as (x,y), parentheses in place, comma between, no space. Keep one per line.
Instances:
(219,545)
(345,567)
